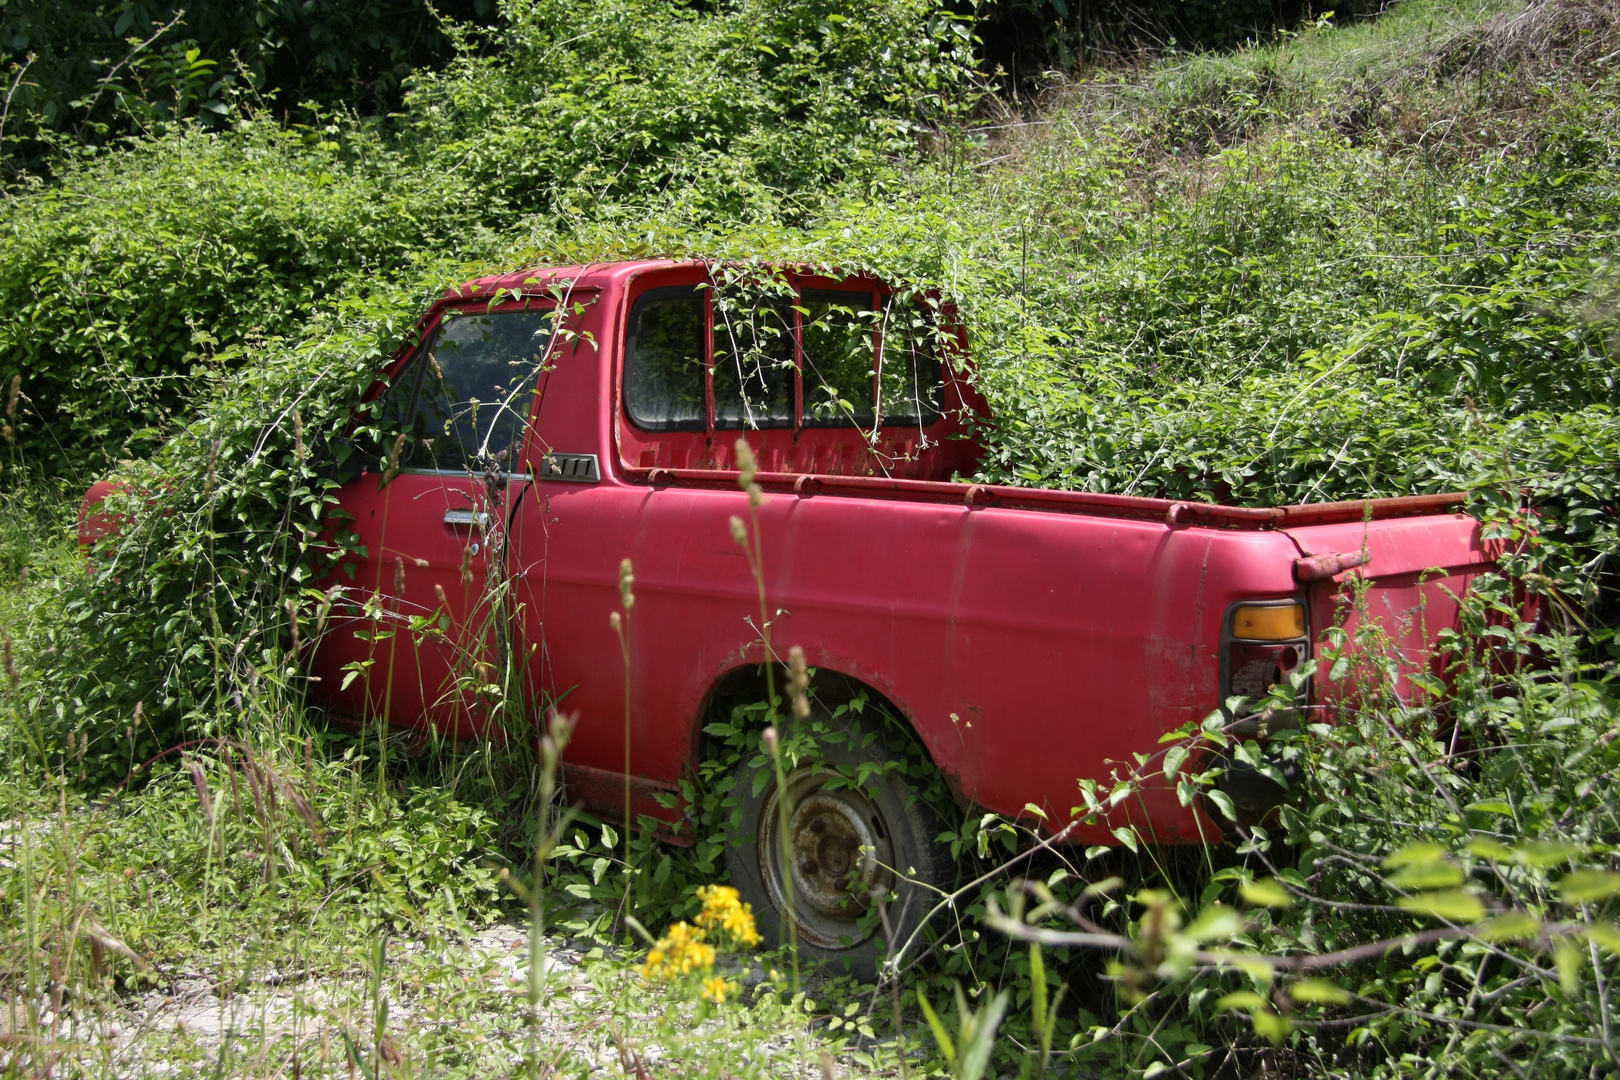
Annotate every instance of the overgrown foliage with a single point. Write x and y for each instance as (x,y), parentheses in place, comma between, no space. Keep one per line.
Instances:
(1364,261)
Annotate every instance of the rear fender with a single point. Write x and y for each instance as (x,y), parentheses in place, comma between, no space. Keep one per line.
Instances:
(95,522)
(1392,586)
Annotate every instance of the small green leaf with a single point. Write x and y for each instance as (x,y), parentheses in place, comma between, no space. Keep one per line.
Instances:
(1127,836)
(1492,806)
(1241,999)
(1224,804)
(1494,850)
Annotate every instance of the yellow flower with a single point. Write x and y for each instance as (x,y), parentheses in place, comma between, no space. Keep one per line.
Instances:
(685,949)
(679,952)
(724,909)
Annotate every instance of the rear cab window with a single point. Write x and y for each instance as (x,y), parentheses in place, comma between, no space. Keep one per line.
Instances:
(828,376)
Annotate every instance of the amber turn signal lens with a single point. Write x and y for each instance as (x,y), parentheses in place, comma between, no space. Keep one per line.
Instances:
(1275,622)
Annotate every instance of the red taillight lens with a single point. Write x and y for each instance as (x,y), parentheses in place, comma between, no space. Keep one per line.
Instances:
(1264,644)
(1252,670)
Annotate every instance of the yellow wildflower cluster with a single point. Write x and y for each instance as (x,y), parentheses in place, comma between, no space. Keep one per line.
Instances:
(679,952)
(685,949)
(723,909)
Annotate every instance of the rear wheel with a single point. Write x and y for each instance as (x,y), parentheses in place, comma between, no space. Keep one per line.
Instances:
(848,848)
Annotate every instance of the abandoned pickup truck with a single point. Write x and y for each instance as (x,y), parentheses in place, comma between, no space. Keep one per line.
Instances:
(565,420)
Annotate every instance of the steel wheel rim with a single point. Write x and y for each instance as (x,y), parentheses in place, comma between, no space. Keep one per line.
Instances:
(840,848)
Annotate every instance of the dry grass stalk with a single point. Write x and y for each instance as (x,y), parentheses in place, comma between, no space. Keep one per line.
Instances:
(205,798)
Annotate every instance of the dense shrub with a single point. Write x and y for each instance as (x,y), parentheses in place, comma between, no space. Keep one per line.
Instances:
(141,275)
(138,271)
(87,69)
(735,109)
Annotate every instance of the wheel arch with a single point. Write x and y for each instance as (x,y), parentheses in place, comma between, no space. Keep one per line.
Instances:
(833,685)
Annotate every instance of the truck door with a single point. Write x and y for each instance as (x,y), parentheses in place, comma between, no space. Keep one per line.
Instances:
(411,635)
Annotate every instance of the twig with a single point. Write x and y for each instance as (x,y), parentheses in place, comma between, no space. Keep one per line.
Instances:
(5,112)
(101,87)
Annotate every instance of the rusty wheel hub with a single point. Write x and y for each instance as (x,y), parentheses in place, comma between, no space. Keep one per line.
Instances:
(837,852)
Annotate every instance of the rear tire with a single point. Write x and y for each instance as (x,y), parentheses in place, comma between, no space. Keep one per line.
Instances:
(851,848)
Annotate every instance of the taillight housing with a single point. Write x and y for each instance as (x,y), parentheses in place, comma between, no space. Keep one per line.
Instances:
(1262,643)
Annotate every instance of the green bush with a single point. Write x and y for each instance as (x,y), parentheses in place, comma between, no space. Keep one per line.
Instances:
(739,109)
(139,278)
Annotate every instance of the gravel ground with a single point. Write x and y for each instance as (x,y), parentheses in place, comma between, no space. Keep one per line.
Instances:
(458,1009)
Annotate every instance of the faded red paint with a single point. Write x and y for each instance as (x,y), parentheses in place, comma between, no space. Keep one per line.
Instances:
(1031,637)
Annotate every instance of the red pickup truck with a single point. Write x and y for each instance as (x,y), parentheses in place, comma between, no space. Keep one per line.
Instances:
(567,419)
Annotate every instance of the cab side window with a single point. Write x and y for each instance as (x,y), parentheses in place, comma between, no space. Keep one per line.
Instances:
(911,378)
(464,400)
(664,366)
(808,357)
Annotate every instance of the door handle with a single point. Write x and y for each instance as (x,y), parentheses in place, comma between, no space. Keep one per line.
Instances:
(466,517)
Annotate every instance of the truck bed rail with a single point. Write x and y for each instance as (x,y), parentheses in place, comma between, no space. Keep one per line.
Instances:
(1170,511)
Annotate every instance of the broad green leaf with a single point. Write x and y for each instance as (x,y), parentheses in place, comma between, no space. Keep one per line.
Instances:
(1605,934)
(1268,892)
(1585,885)
(1455,906)
(1433,875)
(1268,1025)
(946,1046)
(1544,852)
(1416,853)
(1215,923)
(1513,926)
(1174,759)
(1492,806)
(1318,991)
(1569,961)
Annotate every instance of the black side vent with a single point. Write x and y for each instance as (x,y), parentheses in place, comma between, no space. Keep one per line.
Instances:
(575,468)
